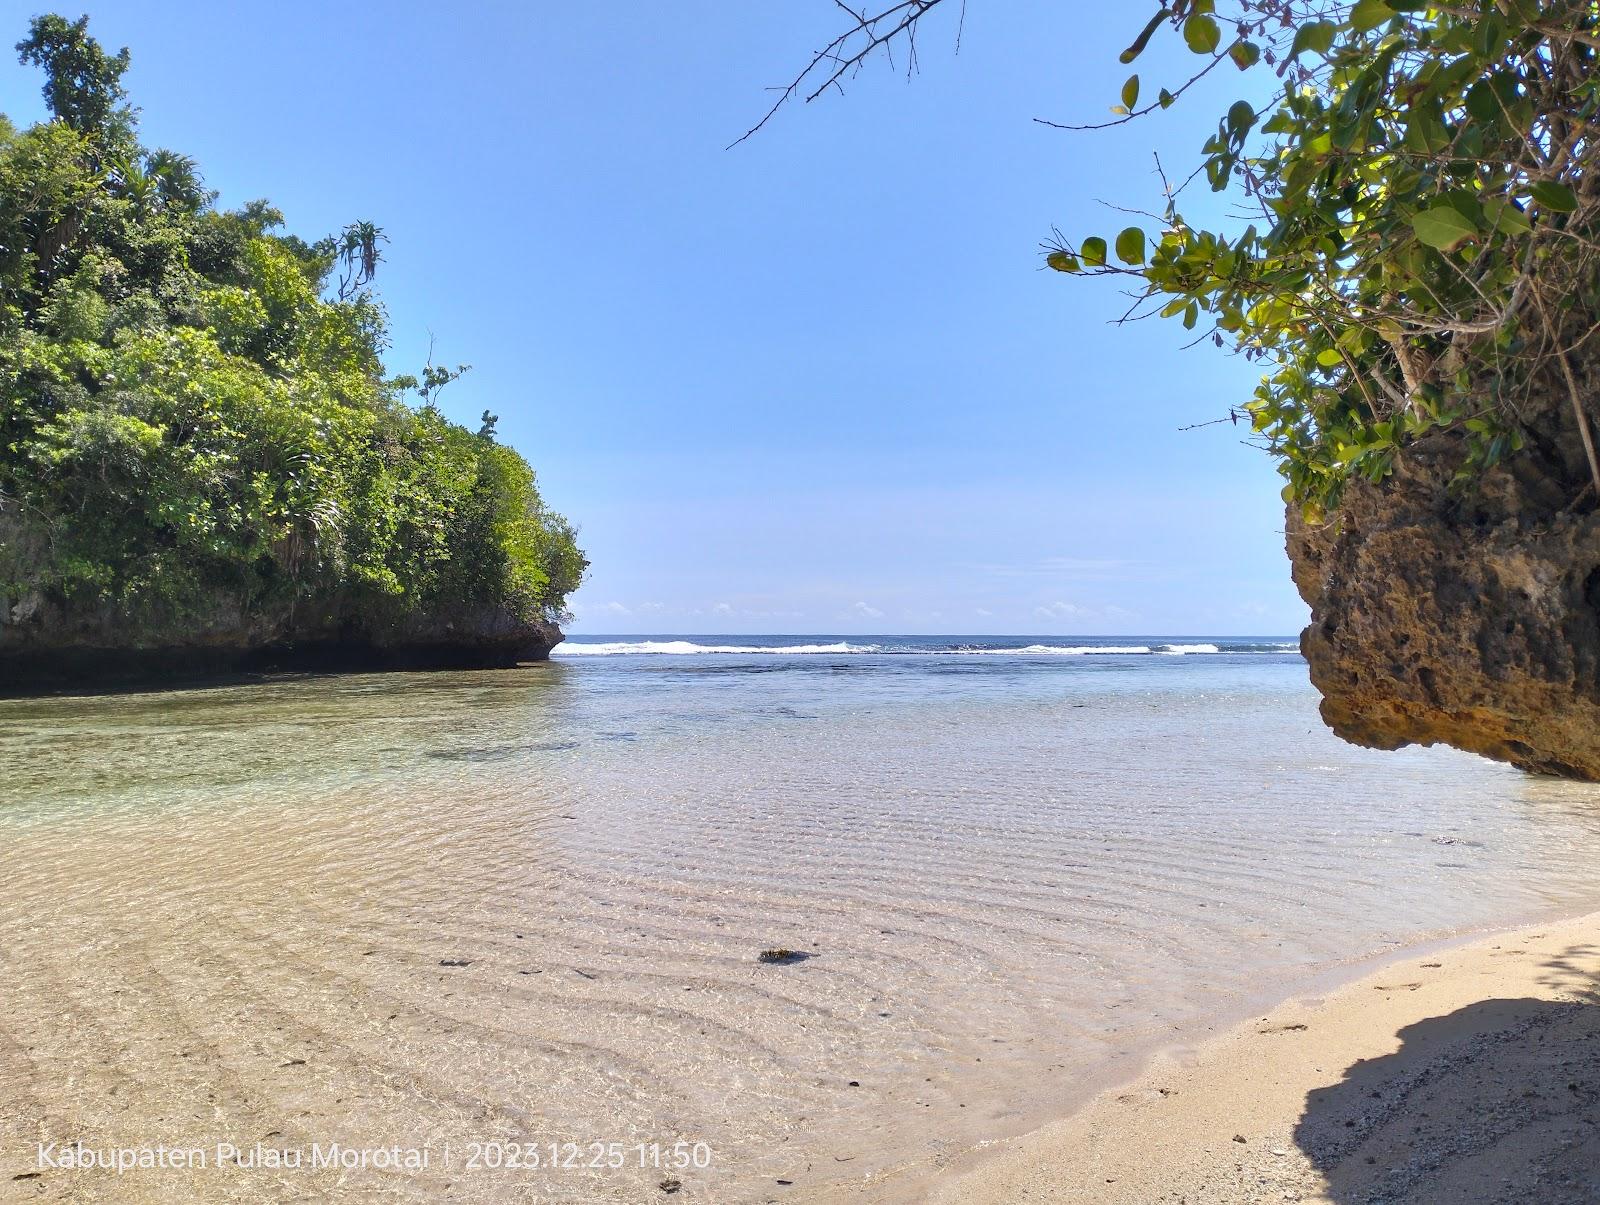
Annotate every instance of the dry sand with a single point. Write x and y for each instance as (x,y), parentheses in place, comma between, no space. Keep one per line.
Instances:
(1468,1075)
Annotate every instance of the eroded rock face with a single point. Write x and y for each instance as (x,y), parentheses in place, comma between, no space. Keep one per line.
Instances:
(1464,618)
(46,647)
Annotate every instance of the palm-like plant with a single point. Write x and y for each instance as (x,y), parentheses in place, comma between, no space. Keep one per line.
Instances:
(128,179)
(177,179)
(358,251)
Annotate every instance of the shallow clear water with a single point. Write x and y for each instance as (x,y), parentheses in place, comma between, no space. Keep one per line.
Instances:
(1015,870)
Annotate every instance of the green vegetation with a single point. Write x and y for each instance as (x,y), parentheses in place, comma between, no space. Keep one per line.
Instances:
(194,417)
(1417,240)
(1420,247)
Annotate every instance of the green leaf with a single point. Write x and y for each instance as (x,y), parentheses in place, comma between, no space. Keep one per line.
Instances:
(1555,197)
(1482,104)
(1062,261)
(1166,98)
(1241,116)
(1503,215)
(1369,14)
(1202,34)
(1353,338)
(1130,92)
(1143,40)
(1093,251)
(1489,34)
(1130,246)
(1329,357)
(1316,37)
(1443,227)
(1244,55)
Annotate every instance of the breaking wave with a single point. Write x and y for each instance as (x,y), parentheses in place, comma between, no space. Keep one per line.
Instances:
(685,648)
(912,645)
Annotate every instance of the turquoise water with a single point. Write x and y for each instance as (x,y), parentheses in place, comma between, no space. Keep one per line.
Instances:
(1017,865)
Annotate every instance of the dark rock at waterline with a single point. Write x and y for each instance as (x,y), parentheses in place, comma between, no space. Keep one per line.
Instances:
(45,647)
(781,956)
(1463,617)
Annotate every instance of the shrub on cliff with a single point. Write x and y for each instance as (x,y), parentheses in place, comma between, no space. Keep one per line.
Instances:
(194,415)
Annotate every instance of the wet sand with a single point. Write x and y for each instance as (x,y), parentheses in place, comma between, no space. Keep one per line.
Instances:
(1466,1075)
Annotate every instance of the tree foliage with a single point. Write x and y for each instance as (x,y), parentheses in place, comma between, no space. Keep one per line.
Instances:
(82,83)
(1414,246)
(194,420)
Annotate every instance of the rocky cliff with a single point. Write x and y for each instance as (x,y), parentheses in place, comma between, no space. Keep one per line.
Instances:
(45,647)
(1463,616)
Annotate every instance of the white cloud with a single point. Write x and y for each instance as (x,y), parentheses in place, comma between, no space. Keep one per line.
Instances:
(1067,568)
(866,612)
(611,608)
(722,608)
(983,612)
(1061,610)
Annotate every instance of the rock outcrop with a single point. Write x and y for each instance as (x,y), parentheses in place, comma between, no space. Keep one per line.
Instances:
(1463,616)
(46,647)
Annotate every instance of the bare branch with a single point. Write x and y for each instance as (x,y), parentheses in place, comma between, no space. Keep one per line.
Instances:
(843,57)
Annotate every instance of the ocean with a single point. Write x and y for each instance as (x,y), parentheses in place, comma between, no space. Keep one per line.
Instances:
(528,907)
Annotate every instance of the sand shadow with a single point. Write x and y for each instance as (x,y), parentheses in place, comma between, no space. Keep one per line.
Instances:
(1498,1101)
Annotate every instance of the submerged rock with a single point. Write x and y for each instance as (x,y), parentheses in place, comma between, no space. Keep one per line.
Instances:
(781,956)
(1467,617)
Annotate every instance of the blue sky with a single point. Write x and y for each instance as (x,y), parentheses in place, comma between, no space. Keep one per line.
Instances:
(815,383)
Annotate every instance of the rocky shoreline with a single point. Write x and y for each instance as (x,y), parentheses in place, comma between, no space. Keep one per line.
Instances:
(1465,614)
(37,659)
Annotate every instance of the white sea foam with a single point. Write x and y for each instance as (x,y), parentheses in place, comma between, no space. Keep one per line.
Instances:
(684,648)
(1069,650)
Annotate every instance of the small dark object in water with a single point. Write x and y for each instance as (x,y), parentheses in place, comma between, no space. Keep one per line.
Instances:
(670,1186)
(1240,1138)
(785,1181)
(455,962)
(295,1063)
(855,1083)
(781,956)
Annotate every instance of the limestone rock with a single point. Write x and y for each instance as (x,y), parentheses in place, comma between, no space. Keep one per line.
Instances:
(1468,617)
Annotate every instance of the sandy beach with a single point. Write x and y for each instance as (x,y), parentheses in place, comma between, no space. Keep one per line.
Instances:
(1471,1074)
